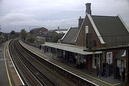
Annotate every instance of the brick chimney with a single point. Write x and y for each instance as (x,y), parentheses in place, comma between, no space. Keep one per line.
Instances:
(88,8)
(80,20)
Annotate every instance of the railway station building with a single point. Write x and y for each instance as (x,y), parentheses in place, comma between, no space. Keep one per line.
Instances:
(99,44)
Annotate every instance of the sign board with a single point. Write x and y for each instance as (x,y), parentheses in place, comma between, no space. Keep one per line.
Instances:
(109,57)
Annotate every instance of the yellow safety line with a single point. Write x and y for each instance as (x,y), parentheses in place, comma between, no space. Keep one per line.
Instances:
(10,83)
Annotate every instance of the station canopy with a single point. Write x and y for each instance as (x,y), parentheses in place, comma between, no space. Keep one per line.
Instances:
(70,48)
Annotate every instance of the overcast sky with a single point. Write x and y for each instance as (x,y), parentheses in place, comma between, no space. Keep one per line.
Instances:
(18,14)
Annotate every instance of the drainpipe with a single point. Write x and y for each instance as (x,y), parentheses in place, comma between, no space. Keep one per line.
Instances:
(127,69)
(86,35)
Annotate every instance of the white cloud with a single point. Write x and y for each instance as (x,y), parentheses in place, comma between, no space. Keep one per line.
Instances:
(54,13)
(20,20)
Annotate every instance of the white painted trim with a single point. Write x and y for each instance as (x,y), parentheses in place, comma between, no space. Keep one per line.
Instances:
(124,54)
(123,23)
(15,66)
(9,79)
(95,29)
(65,34)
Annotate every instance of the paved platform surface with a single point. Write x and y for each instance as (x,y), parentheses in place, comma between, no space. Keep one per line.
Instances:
(8,74)
(3,73)
(99,81)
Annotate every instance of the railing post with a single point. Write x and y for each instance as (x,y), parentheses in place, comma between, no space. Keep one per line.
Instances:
(127,69)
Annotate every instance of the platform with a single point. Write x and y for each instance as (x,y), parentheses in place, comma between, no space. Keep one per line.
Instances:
(13,79)
(90,77)
(4,81)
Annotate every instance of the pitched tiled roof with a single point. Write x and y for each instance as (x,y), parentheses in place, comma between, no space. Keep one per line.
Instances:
(111,29)
(70,36)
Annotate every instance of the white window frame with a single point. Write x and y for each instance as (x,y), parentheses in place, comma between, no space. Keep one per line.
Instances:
(97,58)
(109,57)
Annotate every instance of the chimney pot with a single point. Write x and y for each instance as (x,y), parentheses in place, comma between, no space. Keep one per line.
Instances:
(88,8)
(80,20)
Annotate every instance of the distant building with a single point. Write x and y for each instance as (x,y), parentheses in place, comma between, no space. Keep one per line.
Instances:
(39,31)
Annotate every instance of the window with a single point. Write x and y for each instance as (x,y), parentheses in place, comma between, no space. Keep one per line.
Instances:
(95,60)
(86,29)
(109,57)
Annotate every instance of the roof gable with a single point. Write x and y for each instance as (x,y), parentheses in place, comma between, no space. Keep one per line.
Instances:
(70,36)
(111,29)
(96,29)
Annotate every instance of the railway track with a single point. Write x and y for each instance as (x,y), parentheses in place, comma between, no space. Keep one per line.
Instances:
(42,74)
(30,75)
(36,71)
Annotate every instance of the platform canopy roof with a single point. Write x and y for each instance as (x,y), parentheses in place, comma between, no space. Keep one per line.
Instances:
(70,48)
